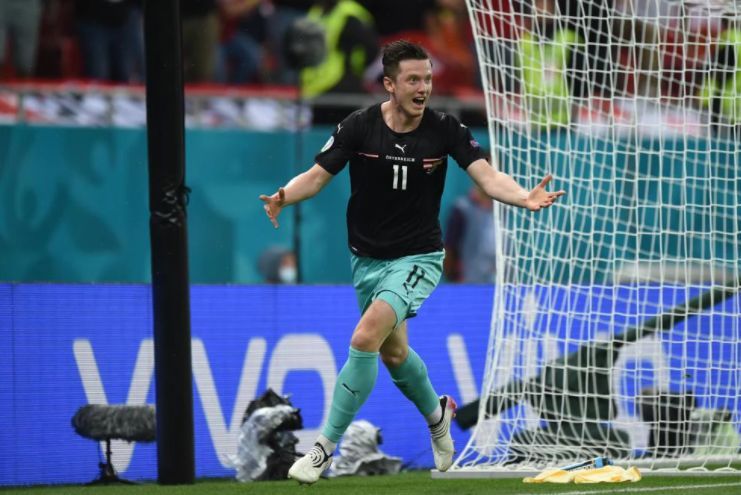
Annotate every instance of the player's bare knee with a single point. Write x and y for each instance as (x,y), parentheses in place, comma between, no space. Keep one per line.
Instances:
(370,333)
(364,341)
(393,358)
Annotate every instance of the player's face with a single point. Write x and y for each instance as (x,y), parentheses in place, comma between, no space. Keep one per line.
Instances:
(412,86)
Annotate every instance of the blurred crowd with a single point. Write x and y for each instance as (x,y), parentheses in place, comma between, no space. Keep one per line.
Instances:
(232,41)
(551,51)
(570,57)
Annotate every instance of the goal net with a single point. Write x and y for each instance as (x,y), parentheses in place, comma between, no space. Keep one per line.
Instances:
(616,325)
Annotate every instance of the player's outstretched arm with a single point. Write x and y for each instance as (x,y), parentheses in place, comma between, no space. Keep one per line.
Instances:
(502,187)
(301,187)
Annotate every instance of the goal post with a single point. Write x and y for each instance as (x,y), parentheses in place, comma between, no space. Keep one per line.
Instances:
(616,321)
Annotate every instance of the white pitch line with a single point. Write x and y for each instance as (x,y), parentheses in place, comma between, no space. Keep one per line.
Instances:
(651,489)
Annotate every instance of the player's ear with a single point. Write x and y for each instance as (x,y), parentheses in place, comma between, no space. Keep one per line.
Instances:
(388,84)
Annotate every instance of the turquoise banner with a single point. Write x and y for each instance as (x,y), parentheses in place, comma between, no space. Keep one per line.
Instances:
(74,204)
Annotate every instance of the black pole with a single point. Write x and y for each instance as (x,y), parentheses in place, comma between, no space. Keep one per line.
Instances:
(169,246)
(304,46)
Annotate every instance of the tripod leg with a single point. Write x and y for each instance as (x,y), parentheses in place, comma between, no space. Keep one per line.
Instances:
(107,471)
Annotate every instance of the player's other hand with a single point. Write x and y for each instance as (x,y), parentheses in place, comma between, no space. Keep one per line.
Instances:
(273,205)
(540,198)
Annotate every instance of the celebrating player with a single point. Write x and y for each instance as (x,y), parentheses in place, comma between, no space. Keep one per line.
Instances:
(398,153)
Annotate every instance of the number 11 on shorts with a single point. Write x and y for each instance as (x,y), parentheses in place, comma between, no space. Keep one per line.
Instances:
(403,177)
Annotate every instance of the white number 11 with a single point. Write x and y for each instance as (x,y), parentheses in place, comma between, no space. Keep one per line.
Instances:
(403,177)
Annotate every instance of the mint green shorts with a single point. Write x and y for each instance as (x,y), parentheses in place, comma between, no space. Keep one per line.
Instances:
(404,283)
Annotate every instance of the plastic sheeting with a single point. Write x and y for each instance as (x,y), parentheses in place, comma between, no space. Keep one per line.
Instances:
(359,453)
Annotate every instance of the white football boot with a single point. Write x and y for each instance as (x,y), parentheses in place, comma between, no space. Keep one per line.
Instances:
(310,467)
(442,441)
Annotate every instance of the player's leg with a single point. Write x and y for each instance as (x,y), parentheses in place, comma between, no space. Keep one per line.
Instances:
(354,384)
(358,376)
(409,373)
(407,283)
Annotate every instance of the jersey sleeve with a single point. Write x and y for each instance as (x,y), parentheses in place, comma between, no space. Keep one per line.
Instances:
(462,146)
(340,146)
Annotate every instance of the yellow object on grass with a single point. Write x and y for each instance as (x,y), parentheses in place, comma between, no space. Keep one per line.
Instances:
(607,474)
(553,475)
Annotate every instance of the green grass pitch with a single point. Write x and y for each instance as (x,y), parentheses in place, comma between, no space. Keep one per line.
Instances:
(418,482)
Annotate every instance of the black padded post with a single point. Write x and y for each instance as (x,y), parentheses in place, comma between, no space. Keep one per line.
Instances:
(168,229)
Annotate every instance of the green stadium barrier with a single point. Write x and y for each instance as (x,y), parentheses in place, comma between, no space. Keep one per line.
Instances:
(74,205)
(673,199)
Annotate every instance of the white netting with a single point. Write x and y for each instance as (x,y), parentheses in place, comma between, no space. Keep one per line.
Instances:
(616,327)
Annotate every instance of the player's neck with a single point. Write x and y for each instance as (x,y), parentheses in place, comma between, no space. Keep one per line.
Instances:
(397,119)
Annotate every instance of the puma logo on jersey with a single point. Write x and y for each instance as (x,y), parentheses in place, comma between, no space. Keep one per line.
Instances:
(352,392)
(402,148)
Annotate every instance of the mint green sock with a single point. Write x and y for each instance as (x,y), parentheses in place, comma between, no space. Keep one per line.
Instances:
(354,384)
(412,379)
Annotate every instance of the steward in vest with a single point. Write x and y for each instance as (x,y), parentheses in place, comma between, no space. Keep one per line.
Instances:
(351,45)
(721,92)
(548,57)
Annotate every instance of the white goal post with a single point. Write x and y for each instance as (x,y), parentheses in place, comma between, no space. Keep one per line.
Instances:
(616,323)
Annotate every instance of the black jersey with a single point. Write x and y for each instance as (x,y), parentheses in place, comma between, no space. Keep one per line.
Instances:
(394,206)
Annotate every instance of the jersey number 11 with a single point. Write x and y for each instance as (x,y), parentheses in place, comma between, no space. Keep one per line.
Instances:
(403,177)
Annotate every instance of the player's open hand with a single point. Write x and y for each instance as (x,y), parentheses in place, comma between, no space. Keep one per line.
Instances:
(539,198)
(273,205)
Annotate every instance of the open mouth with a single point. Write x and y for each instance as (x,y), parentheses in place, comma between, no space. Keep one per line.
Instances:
(420,100)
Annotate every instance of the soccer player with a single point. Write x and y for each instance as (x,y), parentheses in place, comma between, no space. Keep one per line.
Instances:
(398,153)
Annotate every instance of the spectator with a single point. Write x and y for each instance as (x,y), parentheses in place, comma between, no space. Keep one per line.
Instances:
(721,92)
(407,20)
(498,30)
(497,20)
(470,240)
(200,26)
(111,40)
(277,265)
(640,23)
(242,33)
(451,41)
(351,44)
(549,57)
(19,34)
(594,21)
(59,50)
(441,26)
(283,14)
